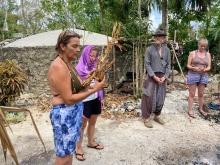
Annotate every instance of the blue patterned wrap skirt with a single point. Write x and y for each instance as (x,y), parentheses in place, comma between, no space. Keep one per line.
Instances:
(66,122)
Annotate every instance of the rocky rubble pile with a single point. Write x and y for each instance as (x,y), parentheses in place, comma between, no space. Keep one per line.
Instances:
(117,106)
(121,107)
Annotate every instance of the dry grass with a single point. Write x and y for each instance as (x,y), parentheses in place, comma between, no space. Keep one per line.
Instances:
(116,100)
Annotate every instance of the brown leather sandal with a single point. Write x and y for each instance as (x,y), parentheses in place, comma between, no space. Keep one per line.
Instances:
(203,113)
(81,158)
(97,146)
(191,115)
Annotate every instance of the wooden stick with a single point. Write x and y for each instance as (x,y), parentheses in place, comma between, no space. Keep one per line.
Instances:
(177,61)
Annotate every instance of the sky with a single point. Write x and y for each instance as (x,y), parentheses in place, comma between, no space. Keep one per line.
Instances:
(156,19)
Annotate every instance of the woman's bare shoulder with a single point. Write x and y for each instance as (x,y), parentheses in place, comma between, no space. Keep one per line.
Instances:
(56,64)
(208,53)
(192,53)
(57,68)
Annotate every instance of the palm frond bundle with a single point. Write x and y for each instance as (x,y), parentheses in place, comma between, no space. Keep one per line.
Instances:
(104,62)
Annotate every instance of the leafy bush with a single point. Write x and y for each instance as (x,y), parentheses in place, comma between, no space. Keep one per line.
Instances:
(214,48)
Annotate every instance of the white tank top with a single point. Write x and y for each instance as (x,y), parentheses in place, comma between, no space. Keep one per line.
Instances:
(92,96)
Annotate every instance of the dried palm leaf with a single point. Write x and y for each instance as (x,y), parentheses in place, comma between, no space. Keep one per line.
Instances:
(104,63)
(12,81)
(5,140)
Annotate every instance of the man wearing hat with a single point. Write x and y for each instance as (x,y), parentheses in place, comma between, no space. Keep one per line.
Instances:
(157,62)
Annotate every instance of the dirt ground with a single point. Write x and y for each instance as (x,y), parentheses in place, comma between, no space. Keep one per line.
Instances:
(180,141)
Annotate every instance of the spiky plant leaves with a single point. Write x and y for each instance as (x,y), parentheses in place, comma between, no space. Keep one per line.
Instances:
(12,81)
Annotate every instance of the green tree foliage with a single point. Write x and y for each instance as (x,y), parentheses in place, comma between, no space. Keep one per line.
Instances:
(27,18)
(31,16)
(69,14)
(134,24)
(12,19)
(96,17)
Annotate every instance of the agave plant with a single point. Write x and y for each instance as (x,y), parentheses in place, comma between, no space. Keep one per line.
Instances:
(12,81)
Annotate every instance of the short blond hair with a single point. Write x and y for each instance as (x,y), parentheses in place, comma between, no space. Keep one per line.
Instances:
(204,41)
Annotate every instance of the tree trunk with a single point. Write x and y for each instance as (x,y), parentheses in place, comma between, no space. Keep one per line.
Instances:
(139,9)
(208,20)
(133,68)
(137,68)
(101,5)
(165,16)
(24,18)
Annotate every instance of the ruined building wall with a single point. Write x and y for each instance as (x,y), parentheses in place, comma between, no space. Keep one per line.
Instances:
(36,60)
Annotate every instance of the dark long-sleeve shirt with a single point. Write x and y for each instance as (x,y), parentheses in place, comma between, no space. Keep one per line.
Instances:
(156,63)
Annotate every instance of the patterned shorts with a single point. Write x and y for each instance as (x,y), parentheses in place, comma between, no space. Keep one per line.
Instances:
(66,121)
(197,78)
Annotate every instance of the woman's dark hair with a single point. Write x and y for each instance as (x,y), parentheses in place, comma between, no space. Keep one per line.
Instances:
(64,38)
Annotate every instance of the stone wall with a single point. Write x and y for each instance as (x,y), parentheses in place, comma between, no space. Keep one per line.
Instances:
(123,64)
(36,60)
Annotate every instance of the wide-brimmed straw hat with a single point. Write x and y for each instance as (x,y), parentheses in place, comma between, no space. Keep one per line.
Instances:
(159,32)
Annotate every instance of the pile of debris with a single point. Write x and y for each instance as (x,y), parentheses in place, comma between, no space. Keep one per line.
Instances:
(121,107)
(44,104)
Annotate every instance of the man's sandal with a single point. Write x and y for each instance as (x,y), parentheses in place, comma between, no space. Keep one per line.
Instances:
(79,156)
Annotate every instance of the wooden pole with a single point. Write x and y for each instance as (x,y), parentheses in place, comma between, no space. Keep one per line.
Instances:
(174,37)
(133,66)
(114,69)
(136,68)
(173,58)
(141,66)
(174,53)
(172,63)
